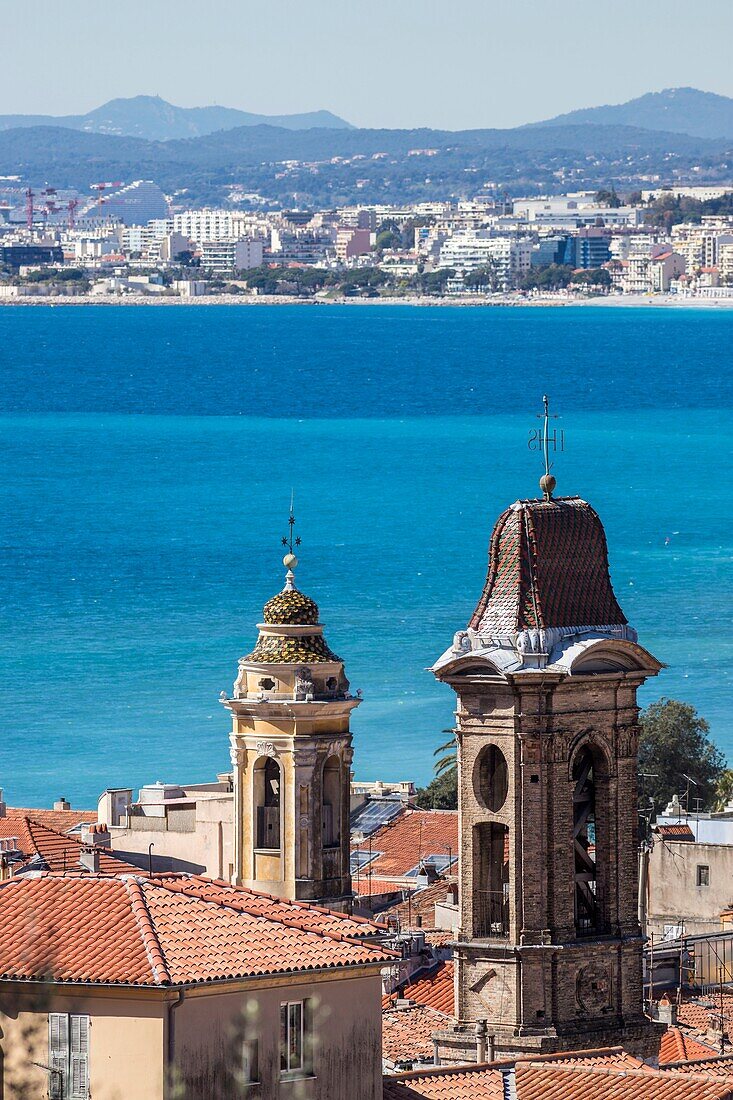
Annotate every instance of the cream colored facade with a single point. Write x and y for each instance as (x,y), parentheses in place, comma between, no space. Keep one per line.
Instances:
(681,898)
(188,1043)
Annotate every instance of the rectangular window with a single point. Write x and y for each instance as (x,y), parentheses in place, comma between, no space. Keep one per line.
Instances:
(703,874)
(68,1056)
(250,1068)
(291,1037)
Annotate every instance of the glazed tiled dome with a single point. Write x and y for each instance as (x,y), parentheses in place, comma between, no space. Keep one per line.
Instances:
(308,649)
(291,608)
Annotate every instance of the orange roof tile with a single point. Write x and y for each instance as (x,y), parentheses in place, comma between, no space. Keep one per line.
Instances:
(677,1046)
(366,886)
(720,1066)
(402,843)
(15,823)
(157,931)
(486,1082)
(544,1081)
(441,1083)
(419,910)
(434,990)
(407,1032)
(675,832)
(60,852)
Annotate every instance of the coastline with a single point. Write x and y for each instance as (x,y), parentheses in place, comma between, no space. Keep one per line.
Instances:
(658,301)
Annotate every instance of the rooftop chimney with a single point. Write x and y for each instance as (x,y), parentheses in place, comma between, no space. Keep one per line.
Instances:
(667,1011)
(89,859)
(3,807)
(61,804)
(95,836)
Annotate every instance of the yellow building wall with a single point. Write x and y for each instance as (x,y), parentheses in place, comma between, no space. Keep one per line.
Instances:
(126,1043)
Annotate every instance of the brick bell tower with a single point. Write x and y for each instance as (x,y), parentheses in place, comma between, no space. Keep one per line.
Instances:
(291,753)
(546,676)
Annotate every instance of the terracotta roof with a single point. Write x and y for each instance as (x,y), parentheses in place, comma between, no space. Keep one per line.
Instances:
(373,886)
(676,1046)
(675,832)
(163,930)
(14,823)
(408,838)
(535,1081)
(407,1032)
(421,904)
(548,567)
(60,852)
(486,1082)
(720,1066)
(434,990)
(441,1083)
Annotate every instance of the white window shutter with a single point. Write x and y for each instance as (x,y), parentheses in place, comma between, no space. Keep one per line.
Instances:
(79,1069)
(58,1054)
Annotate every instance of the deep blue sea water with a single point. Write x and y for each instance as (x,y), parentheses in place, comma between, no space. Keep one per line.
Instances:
(146,461)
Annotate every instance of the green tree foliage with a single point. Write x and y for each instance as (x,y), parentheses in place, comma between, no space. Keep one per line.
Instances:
(592,276)
(668,209)
(723,789)
(441,794)
(606,197)
(674,743)
(485,277)
(549,277)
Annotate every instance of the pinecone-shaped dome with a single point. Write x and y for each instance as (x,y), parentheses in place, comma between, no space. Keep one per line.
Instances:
(291,608)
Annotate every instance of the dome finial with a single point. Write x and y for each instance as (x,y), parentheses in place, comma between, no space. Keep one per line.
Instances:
(290,561)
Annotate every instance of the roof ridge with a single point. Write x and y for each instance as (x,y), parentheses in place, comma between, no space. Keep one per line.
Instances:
(298,925)
(148,933)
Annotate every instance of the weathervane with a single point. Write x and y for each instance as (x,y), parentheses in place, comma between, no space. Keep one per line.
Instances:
(290,561)
(542,439)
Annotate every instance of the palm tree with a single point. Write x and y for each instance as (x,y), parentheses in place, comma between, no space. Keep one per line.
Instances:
(448,763)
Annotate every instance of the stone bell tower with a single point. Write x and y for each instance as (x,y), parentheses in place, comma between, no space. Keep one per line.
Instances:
(291,752)
(546,675)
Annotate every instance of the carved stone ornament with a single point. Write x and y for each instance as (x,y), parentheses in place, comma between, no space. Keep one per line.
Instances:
(303,682)
(461,642)
(237,756)
(593,989)
(265,748)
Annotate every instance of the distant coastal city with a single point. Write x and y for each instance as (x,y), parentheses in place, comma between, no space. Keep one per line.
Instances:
(130,242)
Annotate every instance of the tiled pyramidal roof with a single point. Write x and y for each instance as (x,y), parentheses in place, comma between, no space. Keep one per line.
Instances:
(548,567)
(165,930)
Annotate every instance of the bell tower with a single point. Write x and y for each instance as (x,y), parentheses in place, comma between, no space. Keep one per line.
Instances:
(291,753)
(546,676)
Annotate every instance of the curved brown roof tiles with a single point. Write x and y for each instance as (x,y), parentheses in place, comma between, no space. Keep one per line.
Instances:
(548,567)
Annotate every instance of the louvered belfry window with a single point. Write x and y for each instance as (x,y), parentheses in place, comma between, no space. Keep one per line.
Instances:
(68,1056)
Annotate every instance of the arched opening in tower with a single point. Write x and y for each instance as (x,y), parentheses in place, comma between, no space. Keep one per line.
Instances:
(331,804)
(585,844)
(491,880)
(267,784)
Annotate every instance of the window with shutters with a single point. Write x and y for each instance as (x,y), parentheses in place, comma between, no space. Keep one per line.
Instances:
(68,1056)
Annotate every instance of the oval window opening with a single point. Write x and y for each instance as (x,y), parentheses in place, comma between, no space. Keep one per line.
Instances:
(492,775)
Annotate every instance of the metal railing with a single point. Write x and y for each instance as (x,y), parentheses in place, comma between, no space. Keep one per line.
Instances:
(491,913)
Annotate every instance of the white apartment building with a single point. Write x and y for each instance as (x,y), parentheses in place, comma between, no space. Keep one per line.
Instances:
(725,261)
(651,272)
(580,208)
(224,257)
(478,248)
(699,243)
(206,225)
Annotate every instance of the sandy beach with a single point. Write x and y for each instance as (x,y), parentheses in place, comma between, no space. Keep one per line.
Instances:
(657,301)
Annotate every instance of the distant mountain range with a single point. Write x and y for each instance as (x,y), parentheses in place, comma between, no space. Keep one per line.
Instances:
(676,110)
(152,118)
(303,164)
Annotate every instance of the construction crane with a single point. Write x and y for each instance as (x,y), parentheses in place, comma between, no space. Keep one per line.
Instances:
(102,187)
(71,207)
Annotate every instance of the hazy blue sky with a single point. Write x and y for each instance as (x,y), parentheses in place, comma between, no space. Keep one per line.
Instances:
(453,64)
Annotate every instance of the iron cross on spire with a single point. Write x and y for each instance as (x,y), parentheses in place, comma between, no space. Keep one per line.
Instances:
(288,540)
(541,439)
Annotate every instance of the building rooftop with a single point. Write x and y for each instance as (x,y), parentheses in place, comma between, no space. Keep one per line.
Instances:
(407,1033)
(434,990)
(400,845)
(167,930)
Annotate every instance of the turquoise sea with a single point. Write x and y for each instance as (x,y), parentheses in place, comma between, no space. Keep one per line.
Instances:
(146,461)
